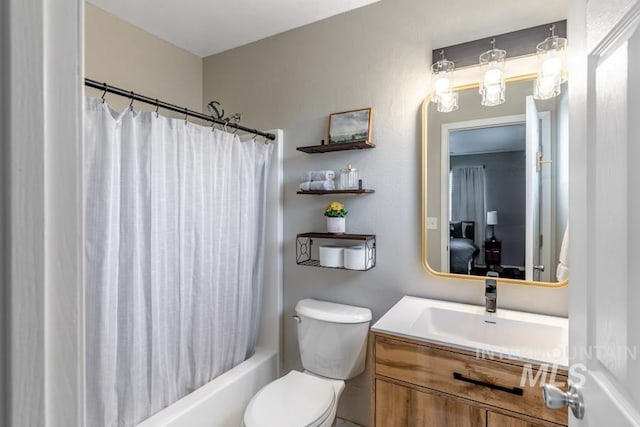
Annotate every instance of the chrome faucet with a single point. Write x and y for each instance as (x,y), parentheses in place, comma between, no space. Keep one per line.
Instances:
(491,292)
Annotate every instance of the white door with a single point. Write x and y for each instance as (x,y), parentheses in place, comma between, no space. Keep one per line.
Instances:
(532,229)
(604,307)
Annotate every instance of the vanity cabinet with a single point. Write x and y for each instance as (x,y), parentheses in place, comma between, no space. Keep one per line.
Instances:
(419,384)
(400,406)
(495,419)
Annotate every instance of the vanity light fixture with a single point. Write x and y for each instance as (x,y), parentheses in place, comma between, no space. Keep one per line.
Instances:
(492,86)
(443,95)
(552,53)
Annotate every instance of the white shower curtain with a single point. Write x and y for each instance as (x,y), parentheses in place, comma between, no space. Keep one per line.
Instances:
(173,260)
(468,200)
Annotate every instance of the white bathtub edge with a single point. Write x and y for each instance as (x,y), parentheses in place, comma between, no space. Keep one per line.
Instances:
(221,402)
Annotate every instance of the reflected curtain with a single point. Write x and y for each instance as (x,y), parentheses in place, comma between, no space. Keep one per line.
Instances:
(174,225)
(468,200)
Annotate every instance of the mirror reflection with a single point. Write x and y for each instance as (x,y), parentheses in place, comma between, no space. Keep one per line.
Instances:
(497,186)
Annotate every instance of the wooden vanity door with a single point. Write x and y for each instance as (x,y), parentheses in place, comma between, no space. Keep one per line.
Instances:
(499,420)
(398,406)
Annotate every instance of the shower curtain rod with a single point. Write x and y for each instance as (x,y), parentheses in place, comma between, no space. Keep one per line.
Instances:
(165,105)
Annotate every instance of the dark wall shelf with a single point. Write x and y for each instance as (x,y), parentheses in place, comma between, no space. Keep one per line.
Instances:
(344,236)
(336,147)
(320,192)
(308,256)
(306,252)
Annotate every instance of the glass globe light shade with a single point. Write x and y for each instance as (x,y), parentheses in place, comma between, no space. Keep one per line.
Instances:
(492,86)
(442,80)
(552,59)
(448,102)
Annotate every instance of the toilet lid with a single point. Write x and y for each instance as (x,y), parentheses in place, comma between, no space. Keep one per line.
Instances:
(295,400)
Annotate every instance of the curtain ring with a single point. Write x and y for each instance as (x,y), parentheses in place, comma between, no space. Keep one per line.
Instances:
(131,103)
(236,131)
(105,91)
(157,108)
(185,117)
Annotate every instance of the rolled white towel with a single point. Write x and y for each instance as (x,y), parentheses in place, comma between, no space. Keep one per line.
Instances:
(318,175)
(327,185)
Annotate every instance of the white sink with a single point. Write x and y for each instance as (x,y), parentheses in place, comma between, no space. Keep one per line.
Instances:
(525,336)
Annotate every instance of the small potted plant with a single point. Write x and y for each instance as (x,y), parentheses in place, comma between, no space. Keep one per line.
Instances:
(336,217)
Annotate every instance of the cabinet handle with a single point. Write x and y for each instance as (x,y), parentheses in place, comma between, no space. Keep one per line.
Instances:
(515,390)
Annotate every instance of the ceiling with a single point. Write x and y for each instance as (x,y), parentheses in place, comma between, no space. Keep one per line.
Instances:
(494,139)
(206,27)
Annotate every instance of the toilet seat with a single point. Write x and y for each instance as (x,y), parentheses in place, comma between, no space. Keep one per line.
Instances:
(295,400)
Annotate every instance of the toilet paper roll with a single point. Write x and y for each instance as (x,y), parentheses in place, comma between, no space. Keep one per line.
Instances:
(331,256)
(355,258)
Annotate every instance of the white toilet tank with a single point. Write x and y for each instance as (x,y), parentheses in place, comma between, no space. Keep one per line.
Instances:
(332,338)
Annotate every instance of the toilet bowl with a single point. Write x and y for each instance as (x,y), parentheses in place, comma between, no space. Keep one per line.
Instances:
(332,339)
(298,399)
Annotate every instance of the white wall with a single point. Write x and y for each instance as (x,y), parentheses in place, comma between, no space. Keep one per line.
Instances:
(375,56)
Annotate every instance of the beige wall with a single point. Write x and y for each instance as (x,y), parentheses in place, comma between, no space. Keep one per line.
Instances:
(123,55)
(375,56)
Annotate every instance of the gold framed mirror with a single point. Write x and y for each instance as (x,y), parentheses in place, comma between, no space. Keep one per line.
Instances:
(495,187)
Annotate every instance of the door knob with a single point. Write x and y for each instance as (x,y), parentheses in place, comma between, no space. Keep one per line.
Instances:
(538,267)
(555,398)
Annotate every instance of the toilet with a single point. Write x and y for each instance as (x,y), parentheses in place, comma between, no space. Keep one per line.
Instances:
(333,346)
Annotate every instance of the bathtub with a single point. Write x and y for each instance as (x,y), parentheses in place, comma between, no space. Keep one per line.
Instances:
(221,402)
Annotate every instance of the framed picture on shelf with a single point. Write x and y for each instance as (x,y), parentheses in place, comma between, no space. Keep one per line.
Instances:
(350,126)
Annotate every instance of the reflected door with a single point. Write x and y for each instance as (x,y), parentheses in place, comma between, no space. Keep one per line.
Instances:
(532,238)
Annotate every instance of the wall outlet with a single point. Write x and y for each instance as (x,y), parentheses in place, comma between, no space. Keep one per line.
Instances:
(432,223)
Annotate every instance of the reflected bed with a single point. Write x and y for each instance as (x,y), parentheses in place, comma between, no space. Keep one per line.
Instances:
(462,249)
